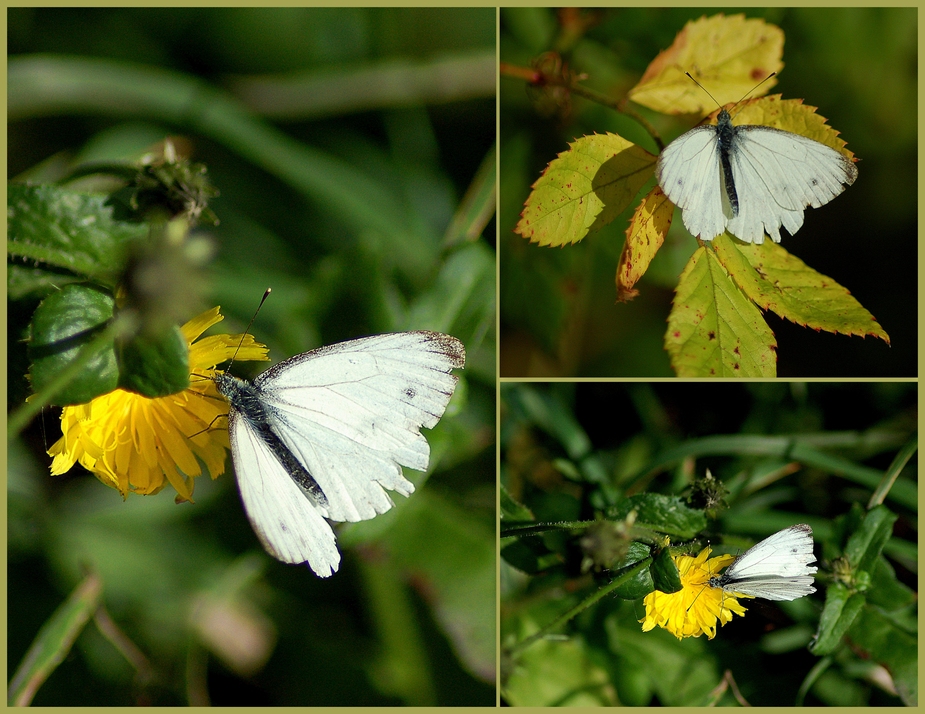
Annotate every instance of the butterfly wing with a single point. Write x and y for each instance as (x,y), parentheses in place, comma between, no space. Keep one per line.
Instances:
(289,525)
(352,414)
(690,174)
(774,588)
(785,554)
(777,175)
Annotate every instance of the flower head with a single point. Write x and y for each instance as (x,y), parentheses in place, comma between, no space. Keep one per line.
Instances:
(137,444)
(695,608)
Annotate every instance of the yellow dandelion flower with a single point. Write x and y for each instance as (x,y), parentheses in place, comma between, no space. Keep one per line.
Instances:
(696,607)
(133,443)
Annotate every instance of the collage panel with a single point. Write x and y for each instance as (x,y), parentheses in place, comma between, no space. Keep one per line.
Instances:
(434,227)
(779,261)
(251,366)
(709,544)
(691,542)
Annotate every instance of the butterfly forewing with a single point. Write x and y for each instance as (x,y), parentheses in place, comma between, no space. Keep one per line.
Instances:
(786,553)
(352,413)
(687,172)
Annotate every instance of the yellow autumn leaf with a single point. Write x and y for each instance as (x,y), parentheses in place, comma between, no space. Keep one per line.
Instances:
(778,281)
(727,55)
(714,329)
(584,189)
(644,237)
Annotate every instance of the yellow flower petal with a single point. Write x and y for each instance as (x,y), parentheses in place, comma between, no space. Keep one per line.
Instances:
(696,608)
(136,444)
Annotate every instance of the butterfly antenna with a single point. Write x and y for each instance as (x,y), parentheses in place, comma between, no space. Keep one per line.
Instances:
(742,99)
(711,574)
(695,598)
(248,328)
(702,87)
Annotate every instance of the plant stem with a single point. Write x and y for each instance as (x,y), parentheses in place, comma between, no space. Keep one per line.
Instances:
(583,605)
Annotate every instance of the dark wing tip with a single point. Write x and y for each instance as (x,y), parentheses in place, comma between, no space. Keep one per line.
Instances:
(447,345)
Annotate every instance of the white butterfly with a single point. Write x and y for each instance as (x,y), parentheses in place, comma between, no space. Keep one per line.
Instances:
(777,568)
(749,180)
(323,435)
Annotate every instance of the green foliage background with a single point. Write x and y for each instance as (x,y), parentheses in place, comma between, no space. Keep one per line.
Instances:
(858,65)
(361,249)
(787,452)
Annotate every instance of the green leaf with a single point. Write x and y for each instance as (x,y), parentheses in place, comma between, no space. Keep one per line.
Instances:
(584,189)
(886,592)
(67,231)
(841,609)
(714,330)
(866,544)
(54,641)
(665,573)
(555,672)
(778,281)
(894,648)
(681,672)
(155,365)
(665,514)
(25,280)
(63,324)
(641,584)
(511,509)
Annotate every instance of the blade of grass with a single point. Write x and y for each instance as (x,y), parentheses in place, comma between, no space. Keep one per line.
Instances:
(50,85)
(54,641)
(477,206)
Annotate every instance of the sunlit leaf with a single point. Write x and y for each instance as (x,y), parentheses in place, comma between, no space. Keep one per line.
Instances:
(714,330)
(778,281)
(727,55)
(644,237)
(584,189)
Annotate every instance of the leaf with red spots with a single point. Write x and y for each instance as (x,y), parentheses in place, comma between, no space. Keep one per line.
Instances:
(714,330)
(778,281)
(727,55)
(584,189)
(644,237)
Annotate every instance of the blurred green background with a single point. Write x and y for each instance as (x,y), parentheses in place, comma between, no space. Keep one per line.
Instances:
(559,315)
(343,142)
(788,453)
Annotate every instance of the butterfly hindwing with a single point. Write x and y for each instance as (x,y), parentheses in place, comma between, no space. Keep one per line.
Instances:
(774,588)
(289,525)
